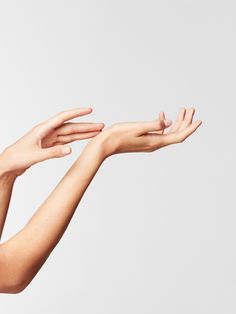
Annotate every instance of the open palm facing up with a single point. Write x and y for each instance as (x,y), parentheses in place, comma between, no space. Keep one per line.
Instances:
(147,136)
(48,140)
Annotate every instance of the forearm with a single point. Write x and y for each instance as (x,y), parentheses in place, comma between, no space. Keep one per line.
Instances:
(6,185)
(25,253)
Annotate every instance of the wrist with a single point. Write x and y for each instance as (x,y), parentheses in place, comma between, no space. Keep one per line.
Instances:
(5,171)
(7,176)
(103,144)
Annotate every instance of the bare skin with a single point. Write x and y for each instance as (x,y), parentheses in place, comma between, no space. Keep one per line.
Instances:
(46,140)
(23,255)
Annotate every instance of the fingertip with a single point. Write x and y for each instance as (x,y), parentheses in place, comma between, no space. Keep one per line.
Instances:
(86,109)
(78,109)
(181,113)
(99,126)
(199,122)
(192,109)
(167,122)
(162,115)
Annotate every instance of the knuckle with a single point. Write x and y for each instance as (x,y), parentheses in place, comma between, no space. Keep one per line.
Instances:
(62,113)
(57,116)
(61,139)
(58,119)
(39,128)
(74,129)
(180,139)
(36,127)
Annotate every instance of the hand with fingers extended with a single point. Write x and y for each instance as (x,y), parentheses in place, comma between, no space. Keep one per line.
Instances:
(32,245)
(147,136)
(48,140)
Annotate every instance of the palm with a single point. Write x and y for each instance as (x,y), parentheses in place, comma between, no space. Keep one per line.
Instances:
(149,136)
(47,139)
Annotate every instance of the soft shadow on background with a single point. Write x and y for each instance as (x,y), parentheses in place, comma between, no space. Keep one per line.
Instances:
(154,233)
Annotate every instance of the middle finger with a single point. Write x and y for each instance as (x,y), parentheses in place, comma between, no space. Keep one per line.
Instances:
(81,127)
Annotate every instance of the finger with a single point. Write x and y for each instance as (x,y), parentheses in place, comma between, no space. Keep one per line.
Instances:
(188,119)
(189,130)
(152,126)
(178,137)
(61,118)
(53,152)
(179,120)
(161,117)
(81,127)
(64,139)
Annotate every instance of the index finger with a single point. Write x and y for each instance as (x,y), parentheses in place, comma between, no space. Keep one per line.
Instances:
(62,117)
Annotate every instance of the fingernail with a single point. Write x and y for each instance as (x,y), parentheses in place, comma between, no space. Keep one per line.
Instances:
(168,122)
(66,150)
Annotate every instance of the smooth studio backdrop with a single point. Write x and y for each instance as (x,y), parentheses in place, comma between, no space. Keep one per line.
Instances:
(155,232)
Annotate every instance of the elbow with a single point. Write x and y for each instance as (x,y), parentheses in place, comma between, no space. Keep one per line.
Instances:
(12,290)
(13,279)
(16,288)
(13,286)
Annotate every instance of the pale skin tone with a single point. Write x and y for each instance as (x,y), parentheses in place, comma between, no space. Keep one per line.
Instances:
(23,255)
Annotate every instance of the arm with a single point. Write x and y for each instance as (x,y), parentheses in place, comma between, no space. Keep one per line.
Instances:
(22,256)
(46,140)
(6,185)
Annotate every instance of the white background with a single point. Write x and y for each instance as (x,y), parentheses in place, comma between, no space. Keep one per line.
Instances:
(155,232)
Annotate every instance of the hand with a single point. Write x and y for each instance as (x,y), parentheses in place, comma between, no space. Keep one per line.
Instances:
(147,136)
(47,140)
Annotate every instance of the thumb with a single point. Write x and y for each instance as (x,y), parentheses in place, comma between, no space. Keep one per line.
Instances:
(54,152)
(165,123)
(156,125)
